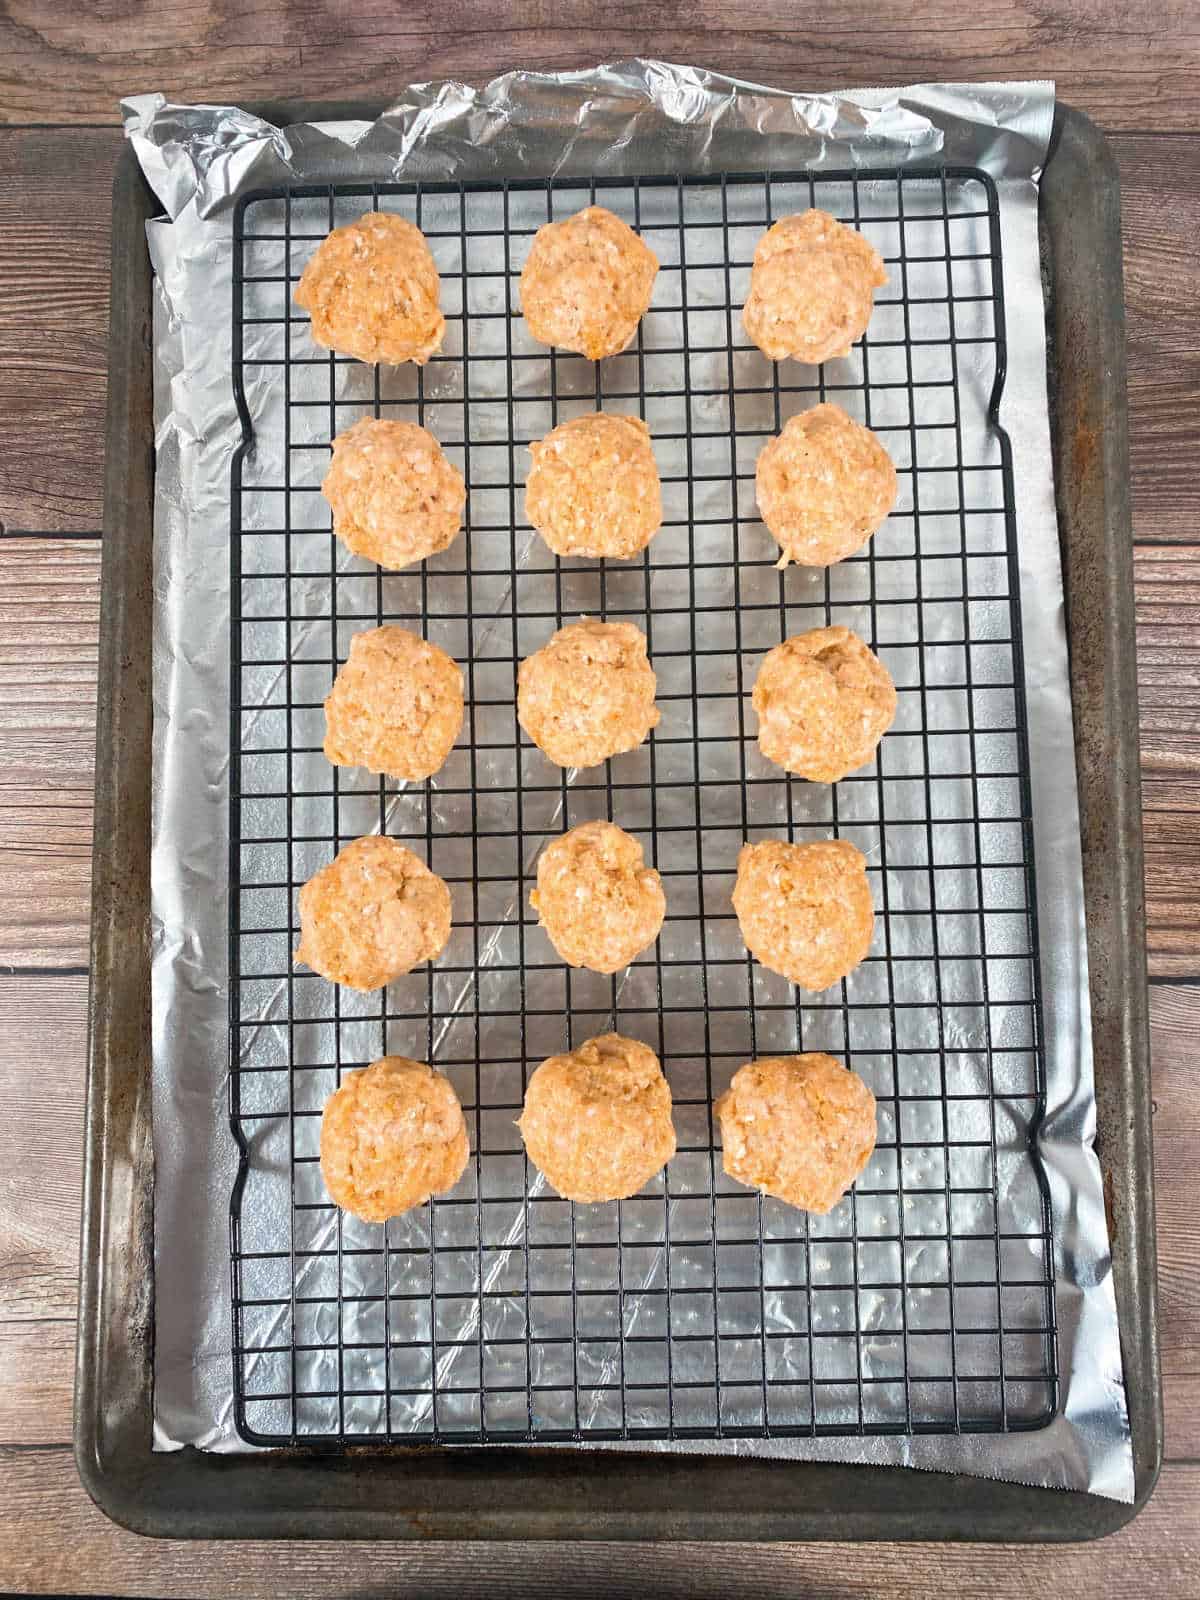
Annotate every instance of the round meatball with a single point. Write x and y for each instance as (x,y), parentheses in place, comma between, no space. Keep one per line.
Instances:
(396,705)
(372,290)
(374,912)
(805,910)
(588,694)
(587,283)
(824,486)
(597,1122)
(395,497)
(812,288)
(597,900)
(800,1128)
(824,701)
(593,489)
(391,1136)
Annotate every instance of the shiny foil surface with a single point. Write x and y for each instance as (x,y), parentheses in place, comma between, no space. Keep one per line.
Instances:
(641,119)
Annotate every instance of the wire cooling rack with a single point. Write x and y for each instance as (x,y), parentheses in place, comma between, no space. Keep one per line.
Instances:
(696,1310)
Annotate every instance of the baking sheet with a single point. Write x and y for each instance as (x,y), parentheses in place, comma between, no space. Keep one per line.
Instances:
(649,116)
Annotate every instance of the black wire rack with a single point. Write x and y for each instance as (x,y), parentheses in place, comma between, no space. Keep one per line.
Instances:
(924,1303)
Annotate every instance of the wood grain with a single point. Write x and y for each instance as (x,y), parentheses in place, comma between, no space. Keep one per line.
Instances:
(54,239)
(1130,67)
(1160,218)
(1175,1043)
(1181,1404)
(37,1372)
(56,1539)
(1167,607)
(1167,612)
(49,623)
(43,1026)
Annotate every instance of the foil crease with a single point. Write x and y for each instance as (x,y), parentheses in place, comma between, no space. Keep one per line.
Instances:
(637,117)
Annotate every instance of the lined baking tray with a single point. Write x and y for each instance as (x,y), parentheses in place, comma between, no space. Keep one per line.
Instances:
(392,1491)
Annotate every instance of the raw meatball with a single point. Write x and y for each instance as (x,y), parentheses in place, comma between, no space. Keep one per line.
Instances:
(396,705)
(812,288)
(374,912)
(597,1122)
(391,1136)
(824,701)
(587,283)
(588,694)
(593,489)
(372,291)
(805,910)
(824,486)
(799,1127)
(395,497)
(597,900)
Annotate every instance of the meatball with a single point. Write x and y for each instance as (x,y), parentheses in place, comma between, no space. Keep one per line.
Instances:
(824,486)
(824,701)
(395,497)
(800,1128)
(391,1136)
(587,283)
(597,900)
(593,489)
(372,289)
(374,912)
(805,910)
(588,693)
(396,705)
(812,288)
(597,1121)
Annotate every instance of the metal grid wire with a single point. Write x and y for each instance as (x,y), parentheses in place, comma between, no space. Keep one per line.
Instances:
(696,1310)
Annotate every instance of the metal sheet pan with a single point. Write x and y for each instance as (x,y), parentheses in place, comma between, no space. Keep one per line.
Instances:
(546,1494)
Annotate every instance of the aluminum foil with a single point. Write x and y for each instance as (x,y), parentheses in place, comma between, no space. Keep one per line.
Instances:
(639,117)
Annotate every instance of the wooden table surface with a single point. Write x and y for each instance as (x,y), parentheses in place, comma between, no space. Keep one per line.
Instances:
(1136,70)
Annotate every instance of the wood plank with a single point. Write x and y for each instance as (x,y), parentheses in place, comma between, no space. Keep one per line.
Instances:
(49,626)
(1175,1055)
(1178,1231)
(37,1378)
(1167,612)
(54,240)
(55,1539)
(1175,1035)
(1170,791)
(1172,846)
(1181,1405)
(1167,607)
(1131,69)
(43,1030)
(1160,217)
